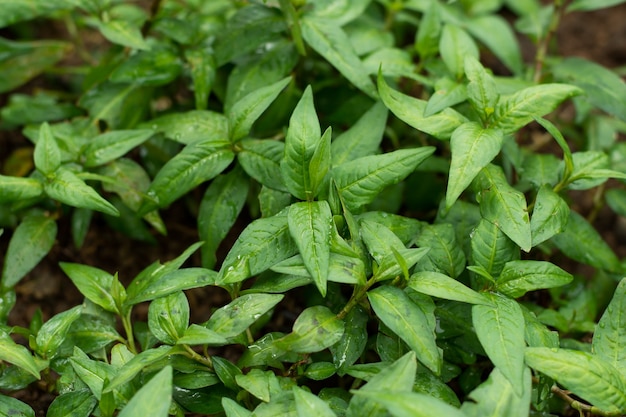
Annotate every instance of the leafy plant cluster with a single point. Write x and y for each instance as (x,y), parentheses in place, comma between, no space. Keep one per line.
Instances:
(425,238)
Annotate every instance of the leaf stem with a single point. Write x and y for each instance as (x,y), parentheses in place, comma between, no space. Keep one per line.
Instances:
(542,48)
(581,407)
(128,328)
(205,360)
(294,25)
(358,294)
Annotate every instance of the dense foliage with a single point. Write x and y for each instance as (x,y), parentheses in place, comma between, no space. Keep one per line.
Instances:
(398,158)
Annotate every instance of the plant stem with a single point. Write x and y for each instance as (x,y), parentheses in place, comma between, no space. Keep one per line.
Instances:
(358,294)
(205,360)
(128,328)
(72,30)
(542,48)
(581,407)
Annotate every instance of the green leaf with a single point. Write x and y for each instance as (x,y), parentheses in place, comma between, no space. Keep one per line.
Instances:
(454,46)
(67,188)
(135,365)
(380,241)
(445,255)
(394,308)
(410,404)
(17,355)
(120,105)
(234,318)
(153,399)
(200,335)
(472,148)
(111,145)
(609,339)
(257,383)
(156,67)
(19,10)
(429,32)
(91,333)
(481,90)
(94,283)
(603,87)
(31,59)
(447,93)
(550,215)
(504,206)
(320,163)
(519,277)
(505,45)
(261,160)
(91,372)
(588,5)
(315,329)
(12,407)
(398,263)
(262,244)
(302,139)
(352,344)
(195,164)
(221,204)
(32,240)
(47,154)
(232,409)
(582,242)
(491,248)
(247,110)
(411,111)
(361,180)
(168,317)
(496,398)
(19,189)
(363,138)
(310,405)
(586,375)
(78,403)
(191,126)
(591,170)
(518,109)
(123,33)
(500,330)
(338,13)
(203,70)
(397,377)
(439,285)
(331,42)
(54,331)
(310,226)
(162,285)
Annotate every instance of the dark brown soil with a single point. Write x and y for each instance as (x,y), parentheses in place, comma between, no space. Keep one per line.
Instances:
(599,36)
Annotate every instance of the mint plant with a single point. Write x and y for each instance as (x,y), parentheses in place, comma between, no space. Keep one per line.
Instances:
(418,205)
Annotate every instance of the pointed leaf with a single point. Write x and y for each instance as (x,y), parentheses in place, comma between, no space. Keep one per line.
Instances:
(609,339)
(123,33)
(505,46)
(261,160)
(504,206)
(94,283)
(309,225)
(411,111)
(582,242)
(135,365)
(200,335)
(586,375)
(221,204)
(380,241)
(550,215)
(410,404)
(302,139)
(191,126)
(47,155)
(394,308)
(331,42)
(315,329)
(67,188)
(91,372)
(439,285)
(18,188)
(445,255)
(500,329)
(15,408)
(320,163)
(496,398)
(352,344)
(247,110)
(518,109)
(361,180)
(31,241)
(232,409)
(235,317)
(168,317)
(519,277)
(310,405)
(472,148)
(78,403)
(17,355)
(363,138)
(153,399)
(491,248)
(481,90)
(54,331)
(456,44)
(397,377)
(183,279)
(202,68)
(195,164)
(262,244)
(429,32)
(447,93)
(111,145)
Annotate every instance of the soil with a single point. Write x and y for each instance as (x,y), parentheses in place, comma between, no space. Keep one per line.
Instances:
(599,36)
